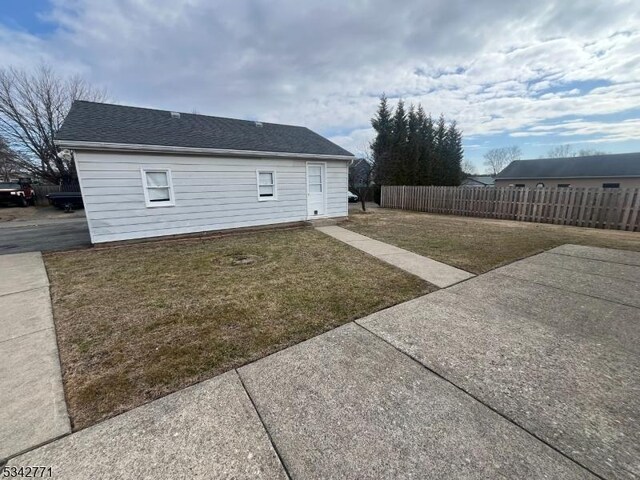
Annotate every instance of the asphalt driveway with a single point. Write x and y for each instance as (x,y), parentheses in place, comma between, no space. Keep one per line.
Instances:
(43,235)
(529,371)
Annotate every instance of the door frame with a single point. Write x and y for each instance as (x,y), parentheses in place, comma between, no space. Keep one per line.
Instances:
(324,188)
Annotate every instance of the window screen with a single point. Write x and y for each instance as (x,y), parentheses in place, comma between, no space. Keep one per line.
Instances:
(157,184)
(266,185)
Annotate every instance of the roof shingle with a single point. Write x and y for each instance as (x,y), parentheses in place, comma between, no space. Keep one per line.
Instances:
(108,123)
(609,165)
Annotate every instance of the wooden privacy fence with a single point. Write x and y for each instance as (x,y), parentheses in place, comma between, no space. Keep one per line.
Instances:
(42,191)
(617,208)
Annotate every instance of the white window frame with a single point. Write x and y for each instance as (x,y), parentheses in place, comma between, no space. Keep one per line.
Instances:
(275,184)
(166,203)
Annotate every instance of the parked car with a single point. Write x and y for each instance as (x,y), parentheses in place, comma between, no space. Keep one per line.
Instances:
(17,193)
(66,200)
(352,197)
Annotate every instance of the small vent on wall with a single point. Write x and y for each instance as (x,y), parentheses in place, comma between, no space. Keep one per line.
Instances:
(175,115)
(258,124)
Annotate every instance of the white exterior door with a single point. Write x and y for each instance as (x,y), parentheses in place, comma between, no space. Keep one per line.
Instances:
(316,189)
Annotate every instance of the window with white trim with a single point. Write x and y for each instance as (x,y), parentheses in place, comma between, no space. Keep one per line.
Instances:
(158,188)
(267,189)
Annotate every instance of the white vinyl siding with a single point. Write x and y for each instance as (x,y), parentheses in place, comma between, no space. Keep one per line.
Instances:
(209,193)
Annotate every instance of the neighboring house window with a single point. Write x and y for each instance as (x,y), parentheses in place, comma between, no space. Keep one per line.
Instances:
(520,185)
(564,185)
(610,185)
(266,185)
(540,185)
(158,188)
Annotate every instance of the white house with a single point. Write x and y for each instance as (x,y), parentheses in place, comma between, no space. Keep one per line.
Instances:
(148,173)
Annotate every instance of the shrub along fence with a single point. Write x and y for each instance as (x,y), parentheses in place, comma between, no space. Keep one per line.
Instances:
(617,208)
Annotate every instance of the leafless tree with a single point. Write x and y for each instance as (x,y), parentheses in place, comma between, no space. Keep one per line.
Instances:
(32,108)
(468,168)
(9,165)
(560,151)
(360,180)
(566,151)
(498,158)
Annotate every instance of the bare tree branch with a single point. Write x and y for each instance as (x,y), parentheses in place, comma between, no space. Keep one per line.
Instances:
(567,151)
(498,158)
(33,106)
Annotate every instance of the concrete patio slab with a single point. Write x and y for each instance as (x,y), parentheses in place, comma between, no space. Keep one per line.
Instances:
(570,313)
(577,393)
(598,286)
(22,271)
(630,273)
(348,405)
(32,404)
(434,272)
(24,313)
(597,253)
(210,430)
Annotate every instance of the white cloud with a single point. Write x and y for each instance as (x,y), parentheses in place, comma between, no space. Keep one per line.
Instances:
(496,70)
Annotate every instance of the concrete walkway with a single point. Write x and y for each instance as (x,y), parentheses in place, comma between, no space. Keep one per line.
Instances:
(32,405)
(496,377)
(434,272)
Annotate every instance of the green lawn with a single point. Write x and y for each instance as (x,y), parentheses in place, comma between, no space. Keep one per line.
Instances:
(140,321)
(477,244)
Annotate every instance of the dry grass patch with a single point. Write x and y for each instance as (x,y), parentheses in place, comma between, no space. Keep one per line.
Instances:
(478,244)
(138,322)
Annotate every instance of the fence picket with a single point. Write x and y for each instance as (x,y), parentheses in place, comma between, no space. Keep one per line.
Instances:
(583,207)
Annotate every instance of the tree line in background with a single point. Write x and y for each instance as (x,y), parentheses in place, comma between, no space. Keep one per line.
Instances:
(410,148)
(32,108)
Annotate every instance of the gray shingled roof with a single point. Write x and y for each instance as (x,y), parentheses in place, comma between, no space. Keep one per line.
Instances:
(107,123)
(485,180)
(611,165)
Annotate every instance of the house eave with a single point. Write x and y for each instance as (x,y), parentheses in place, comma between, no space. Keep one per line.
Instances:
(214,152)
(574,177)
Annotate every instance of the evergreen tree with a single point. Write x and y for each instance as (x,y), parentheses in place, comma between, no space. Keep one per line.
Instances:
(381,145)
(414,147)
(399,133)
(440,152)
(454,155)
(410,149)
(425,163)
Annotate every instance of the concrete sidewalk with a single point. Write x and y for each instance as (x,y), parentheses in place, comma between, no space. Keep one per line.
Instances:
(209,430)
(495,377)
(434,272)
(32,405)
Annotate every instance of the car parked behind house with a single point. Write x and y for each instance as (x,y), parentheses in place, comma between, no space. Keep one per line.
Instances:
(66,200)
(18,193)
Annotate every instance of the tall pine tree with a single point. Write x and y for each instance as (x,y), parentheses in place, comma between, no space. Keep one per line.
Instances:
(381,145)
(427,152)
(410,149)
(455,154)
(399,133)
(440,149)
(414,146)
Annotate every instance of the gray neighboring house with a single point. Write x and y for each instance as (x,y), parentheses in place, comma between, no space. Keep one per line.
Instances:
(478,181)
(602,171)
(148,173)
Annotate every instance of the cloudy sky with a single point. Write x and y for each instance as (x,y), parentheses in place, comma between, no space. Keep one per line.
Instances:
(535,74)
